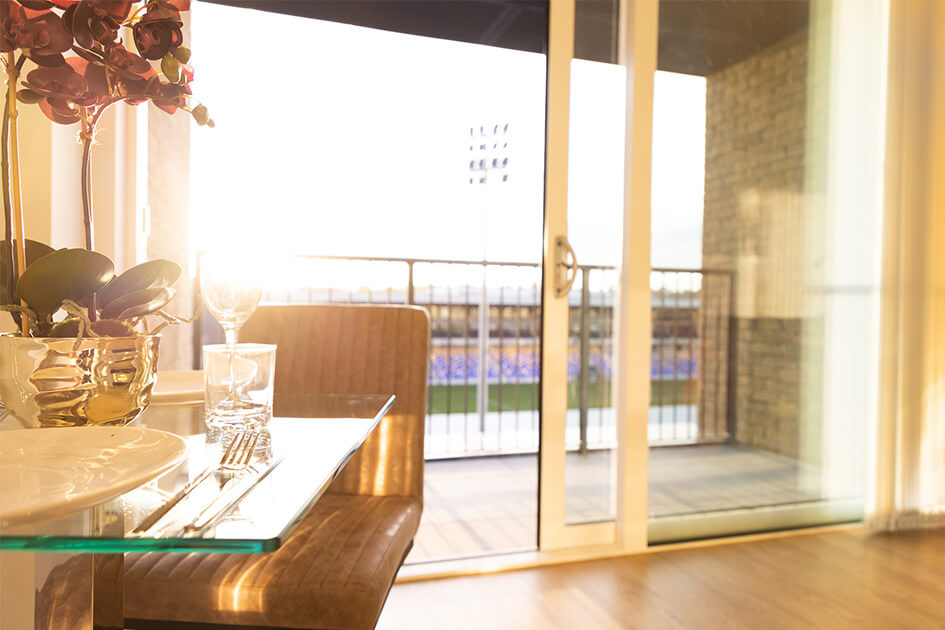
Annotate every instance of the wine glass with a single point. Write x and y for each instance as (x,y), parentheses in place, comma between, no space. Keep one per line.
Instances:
(231,286)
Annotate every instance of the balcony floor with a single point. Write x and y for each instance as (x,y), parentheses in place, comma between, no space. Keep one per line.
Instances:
(488,504)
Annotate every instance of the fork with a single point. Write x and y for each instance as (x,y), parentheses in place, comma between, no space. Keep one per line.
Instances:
(240,451)
(230,495)
(236,458)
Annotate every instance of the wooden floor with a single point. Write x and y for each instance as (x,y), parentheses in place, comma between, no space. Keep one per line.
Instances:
(834,580)
(489,504)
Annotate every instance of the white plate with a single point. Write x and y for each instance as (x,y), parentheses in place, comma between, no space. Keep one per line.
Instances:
(48,473)
(178,388)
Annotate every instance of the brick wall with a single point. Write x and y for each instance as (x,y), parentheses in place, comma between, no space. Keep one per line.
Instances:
(768,382)
(756,116)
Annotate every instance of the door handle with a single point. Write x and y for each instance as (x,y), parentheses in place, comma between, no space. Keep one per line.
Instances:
(564,280)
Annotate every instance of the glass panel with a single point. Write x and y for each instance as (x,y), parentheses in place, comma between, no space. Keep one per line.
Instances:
(403,169)
(674,359)
(304,453)
(764,264)
(595,210)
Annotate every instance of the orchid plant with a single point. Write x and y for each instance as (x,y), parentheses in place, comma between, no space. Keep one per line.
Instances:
(70,58)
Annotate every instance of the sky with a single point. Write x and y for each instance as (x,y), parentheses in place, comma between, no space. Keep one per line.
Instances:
(678,170)
(351,141)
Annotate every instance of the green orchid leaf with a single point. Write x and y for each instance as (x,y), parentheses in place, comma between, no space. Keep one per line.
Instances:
(112,328)
(138,303)
(65,274)
(68,327)
(34,251)
(159,273)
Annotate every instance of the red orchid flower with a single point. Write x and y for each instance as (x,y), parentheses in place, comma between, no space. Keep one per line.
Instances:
(40,5)
(168,96)
(40,34)
(67,88)
(127,64)
(92,21)
(104,70)
(159,30)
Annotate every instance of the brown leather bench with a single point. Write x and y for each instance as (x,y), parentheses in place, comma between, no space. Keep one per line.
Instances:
(336,569)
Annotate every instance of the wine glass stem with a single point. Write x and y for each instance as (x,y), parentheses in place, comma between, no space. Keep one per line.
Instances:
(231,332)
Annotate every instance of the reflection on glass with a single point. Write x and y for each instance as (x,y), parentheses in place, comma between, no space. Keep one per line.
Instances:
(772,331)
(595,210)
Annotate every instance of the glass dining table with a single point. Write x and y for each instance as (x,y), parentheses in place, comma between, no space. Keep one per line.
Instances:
(299,453)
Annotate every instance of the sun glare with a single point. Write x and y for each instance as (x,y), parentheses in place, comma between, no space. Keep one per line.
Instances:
(390,145)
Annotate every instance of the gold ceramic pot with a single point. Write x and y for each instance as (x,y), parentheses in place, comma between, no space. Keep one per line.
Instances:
(44,382)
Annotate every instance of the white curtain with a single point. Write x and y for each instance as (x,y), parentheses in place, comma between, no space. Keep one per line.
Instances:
(908,468)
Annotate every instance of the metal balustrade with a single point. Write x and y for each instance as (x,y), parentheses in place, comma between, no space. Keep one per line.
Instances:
(492,310)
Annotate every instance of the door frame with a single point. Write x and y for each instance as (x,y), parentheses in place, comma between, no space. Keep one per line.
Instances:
(638,34)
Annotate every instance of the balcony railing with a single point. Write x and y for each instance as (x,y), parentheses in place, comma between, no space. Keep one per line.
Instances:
(485,348)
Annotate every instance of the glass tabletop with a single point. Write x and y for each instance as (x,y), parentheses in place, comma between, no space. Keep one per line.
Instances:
(297,456)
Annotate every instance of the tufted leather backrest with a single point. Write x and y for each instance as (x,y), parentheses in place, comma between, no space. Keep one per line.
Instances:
(354,349)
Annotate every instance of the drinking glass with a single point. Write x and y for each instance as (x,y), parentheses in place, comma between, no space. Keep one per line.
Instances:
(231,285)
(250,368)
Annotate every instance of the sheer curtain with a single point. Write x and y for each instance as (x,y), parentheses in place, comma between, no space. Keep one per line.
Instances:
(908,467)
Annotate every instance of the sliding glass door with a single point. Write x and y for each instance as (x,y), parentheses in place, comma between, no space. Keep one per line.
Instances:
(594,379)
(491,186)
(767,190)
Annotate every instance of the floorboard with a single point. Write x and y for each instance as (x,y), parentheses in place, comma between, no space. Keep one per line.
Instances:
(831,580)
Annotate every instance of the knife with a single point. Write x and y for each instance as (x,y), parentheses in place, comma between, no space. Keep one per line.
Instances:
(157,514)
(230,495)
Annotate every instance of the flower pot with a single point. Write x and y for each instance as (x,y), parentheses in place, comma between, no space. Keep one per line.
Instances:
(44,382)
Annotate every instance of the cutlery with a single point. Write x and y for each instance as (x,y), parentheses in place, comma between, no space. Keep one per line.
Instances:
(230,495)
(235,458)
